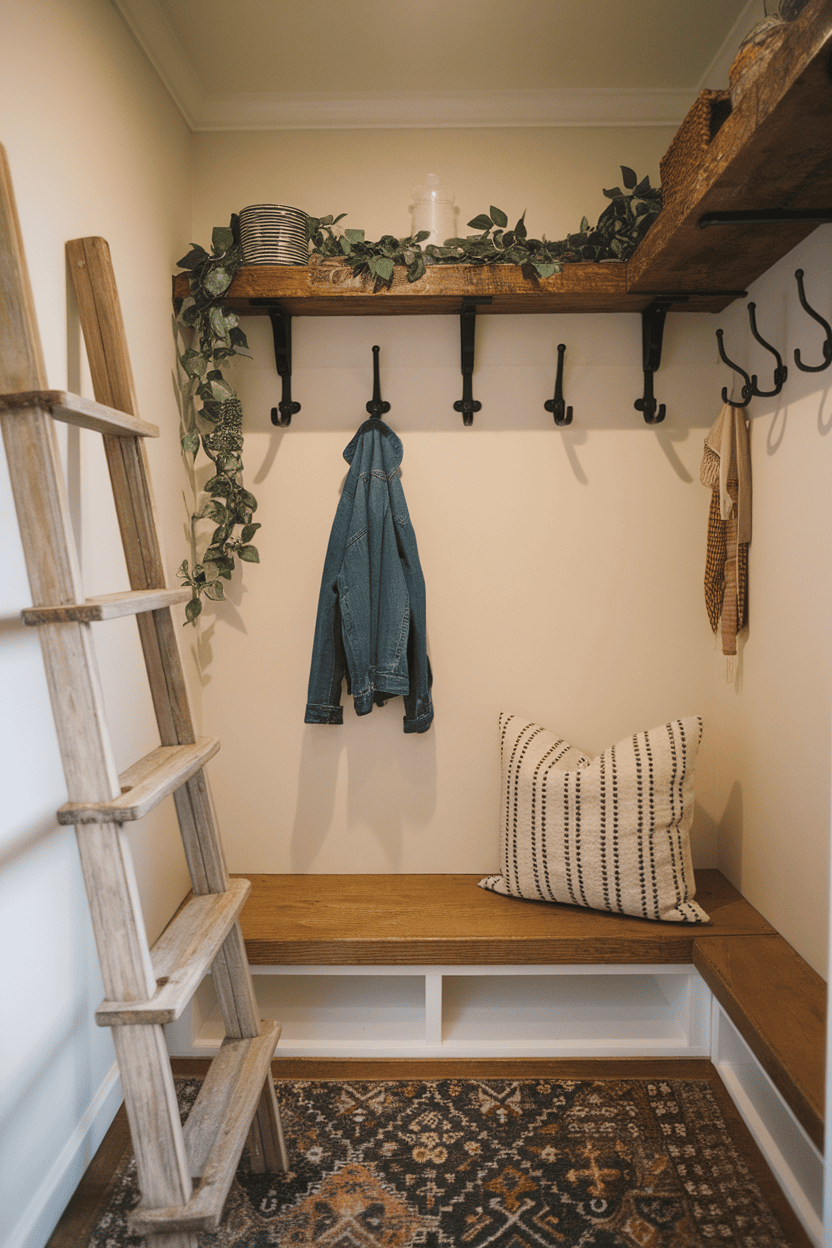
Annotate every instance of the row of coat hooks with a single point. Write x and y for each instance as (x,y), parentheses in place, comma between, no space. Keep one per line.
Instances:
(750,387)
(652,324)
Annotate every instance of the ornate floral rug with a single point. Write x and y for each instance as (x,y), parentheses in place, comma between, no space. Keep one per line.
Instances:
(492,1163)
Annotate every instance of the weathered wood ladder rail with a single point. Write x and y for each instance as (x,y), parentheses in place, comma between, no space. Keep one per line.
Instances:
(144,987)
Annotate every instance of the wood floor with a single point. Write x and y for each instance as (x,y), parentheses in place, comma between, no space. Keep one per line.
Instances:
(80,1216)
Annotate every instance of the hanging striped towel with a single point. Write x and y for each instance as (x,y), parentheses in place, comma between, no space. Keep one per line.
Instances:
(726,470)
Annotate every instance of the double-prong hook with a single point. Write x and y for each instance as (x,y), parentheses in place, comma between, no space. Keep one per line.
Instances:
(827,345)
(557,405)
(747,389)
(781,372)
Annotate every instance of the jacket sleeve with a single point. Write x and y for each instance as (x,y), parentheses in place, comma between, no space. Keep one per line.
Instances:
(323,705)
(328,667)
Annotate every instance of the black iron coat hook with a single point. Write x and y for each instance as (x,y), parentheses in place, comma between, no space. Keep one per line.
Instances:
(562,413)
(377,407)
(827,345)
(467,321)
(747,390)
(781,372)
(282,331)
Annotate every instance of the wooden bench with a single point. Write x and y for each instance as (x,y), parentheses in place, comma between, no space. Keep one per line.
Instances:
(776,1001)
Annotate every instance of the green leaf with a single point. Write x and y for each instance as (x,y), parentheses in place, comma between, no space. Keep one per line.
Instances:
(482,222)
(221,391)
(584,227)
(190,443)
(215,591)
(421,236)
(498,217)
(384,268)
(354,236)
(249,531)
(192,610)
(218,324)
(248,500)
(249,554)
(221,239)
(346,246)
(520,227)
(194,258)
(629,177)
(545,269)
(194,364)
(217,281)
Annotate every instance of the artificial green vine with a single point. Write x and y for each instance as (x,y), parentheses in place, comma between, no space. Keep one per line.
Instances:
(213,415)
(213,418)
(619,230)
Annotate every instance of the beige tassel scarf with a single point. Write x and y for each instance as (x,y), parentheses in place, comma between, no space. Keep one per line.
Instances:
(726,470)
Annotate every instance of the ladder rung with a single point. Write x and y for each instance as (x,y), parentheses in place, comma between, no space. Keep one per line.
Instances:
(144,784)
(107,606)
(215,1133)
(86,413)
(181,957)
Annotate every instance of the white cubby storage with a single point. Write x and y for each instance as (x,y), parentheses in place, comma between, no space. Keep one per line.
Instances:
(468,1011)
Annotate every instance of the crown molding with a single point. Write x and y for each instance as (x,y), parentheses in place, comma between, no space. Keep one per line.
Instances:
(426,110)
(160,44)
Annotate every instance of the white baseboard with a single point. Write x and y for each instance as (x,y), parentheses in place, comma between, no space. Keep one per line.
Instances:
(49,1201)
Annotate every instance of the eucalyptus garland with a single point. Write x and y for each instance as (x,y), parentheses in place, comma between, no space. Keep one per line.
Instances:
(213,415)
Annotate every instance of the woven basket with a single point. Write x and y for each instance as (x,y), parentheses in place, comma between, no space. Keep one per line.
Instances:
(691,140)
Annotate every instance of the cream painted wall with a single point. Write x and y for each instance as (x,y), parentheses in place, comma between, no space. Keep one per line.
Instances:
(98,150)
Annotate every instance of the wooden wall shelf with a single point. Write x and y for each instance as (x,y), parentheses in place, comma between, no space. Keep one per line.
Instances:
(773,151)
(332,290)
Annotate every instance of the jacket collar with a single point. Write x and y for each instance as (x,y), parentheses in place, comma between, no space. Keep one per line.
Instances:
(382,438)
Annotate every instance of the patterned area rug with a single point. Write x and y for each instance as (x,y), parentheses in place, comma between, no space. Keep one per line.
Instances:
(492,1163)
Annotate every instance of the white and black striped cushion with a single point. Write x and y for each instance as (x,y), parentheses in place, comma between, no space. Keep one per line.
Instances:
(611,833)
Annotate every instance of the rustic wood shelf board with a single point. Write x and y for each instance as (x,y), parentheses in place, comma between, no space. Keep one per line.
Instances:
(773,151)
(447,920)
(326,290)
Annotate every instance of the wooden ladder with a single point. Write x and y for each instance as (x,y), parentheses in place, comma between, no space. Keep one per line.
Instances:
(144,987)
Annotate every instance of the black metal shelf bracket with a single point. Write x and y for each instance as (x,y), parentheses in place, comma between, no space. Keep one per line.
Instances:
(767,216)
(377,407)
(282,330)
(652,334)
(467,405)
(557,405)
(827,344)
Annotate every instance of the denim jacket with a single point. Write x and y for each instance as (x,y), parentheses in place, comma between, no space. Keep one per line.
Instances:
(371,624)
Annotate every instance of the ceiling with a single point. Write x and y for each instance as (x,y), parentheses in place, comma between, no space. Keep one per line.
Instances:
(295,64)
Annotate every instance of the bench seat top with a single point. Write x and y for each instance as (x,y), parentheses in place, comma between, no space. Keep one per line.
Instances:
(447,920)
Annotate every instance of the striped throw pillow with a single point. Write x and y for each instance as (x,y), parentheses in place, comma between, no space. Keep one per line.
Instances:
(610,833)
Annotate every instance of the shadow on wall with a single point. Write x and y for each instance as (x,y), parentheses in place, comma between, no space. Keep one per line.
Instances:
(389,791)
(730,831)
